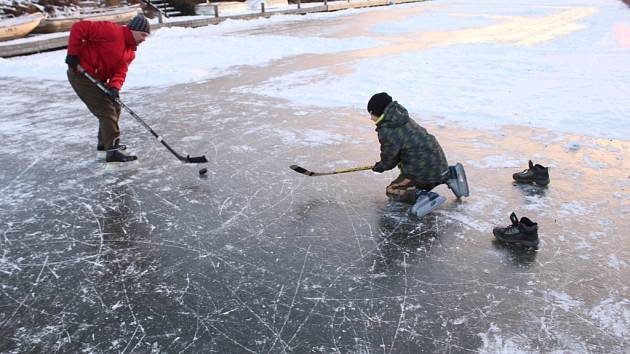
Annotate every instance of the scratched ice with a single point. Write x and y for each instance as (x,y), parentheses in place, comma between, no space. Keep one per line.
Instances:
(257,258)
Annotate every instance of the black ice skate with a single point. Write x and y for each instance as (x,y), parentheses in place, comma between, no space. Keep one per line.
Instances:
(101,151)
(535,173)
(117,155)
(523,232)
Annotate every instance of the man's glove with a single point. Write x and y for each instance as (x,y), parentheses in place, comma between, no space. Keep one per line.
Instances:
(72,61)
(113,93)
(378,167)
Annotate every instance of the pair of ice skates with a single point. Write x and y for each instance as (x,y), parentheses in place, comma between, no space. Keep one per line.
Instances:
(427,201)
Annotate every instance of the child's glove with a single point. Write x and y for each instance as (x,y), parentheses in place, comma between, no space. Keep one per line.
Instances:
(378,167)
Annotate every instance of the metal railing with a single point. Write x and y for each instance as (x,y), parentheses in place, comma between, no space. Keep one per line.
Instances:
(161,13)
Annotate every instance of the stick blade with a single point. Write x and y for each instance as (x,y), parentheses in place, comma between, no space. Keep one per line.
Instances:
(301,170)
(195,159)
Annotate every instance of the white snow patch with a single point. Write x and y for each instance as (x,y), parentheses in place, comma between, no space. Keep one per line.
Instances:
(593,164)
(563,300)
(597,235)
(490,81)
(616,263)
(341,164)
(495,342)
(536,202)
(613,316)
(573,208)
(498,161)
(312,137)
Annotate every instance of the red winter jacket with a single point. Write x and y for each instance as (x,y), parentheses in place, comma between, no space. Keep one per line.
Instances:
(105,50)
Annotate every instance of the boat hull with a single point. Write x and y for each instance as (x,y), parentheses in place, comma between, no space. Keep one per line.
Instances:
(15,28)
(119,15)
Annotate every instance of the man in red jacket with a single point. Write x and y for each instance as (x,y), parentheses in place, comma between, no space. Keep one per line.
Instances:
(104,50)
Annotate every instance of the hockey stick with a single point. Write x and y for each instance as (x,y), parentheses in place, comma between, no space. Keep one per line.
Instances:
(304,171)
(185,159)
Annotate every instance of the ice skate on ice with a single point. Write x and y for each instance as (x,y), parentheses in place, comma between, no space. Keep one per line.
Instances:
(457,181)
(426,202)
(101,152)
(116,159)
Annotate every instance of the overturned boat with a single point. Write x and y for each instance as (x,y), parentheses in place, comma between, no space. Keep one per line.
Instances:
(120,15)
(18,27)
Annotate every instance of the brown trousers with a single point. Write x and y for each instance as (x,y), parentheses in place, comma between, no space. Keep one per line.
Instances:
(403,189)
(101,106)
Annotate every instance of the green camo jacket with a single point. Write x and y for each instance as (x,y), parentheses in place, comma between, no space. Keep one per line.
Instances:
(405,143)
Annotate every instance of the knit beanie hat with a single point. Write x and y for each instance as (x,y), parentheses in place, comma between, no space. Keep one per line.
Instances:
(378,103)
(139,23)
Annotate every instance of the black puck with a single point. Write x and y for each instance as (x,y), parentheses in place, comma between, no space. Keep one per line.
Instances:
(203,171)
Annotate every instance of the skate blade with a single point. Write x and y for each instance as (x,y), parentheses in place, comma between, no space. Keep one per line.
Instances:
(459,184)
(425,206)
(420,201)
(121,166)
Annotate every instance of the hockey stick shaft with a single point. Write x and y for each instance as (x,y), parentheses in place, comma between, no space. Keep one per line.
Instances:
(102,87)
(306,172)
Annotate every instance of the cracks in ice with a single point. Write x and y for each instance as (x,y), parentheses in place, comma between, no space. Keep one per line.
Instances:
(138,325)
(288,315)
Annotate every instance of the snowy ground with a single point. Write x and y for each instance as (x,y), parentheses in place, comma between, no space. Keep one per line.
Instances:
(256,258)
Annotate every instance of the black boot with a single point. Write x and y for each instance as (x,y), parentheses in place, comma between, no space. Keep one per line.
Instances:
(101,152)
(101,147)
(524,232)
(535,173)
(116,155)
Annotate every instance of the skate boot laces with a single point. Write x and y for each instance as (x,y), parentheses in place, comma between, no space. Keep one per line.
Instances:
(514,227)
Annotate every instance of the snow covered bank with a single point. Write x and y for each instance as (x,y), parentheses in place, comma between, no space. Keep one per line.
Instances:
(180,55)
(558,64)
(543,70)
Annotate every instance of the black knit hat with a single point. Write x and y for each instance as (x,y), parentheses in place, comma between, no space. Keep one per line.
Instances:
(139,23)
(378,103)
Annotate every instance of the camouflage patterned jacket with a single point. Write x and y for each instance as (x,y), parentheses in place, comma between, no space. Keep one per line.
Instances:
(407,144)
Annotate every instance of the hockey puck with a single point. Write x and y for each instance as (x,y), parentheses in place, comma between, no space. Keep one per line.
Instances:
(203,171)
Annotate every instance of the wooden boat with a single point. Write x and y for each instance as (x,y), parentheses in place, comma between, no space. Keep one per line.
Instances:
(120,15)
(18,27)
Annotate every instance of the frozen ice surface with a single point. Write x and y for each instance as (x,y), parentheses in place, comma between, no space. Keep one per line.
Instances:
(257,258)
